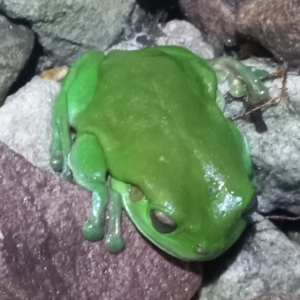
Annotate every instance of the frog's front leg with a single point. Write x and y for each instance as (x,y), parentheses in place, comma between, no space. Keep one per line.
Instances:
(61,137)
(242,80)
(89,169)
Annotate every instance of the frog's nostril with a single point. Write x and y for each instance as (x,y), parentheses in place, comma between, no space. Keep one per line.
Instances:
(209,253)
(200,249)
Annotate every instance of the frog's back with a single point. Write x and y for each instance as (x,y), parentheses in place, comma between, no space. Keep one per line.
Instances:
(155,116)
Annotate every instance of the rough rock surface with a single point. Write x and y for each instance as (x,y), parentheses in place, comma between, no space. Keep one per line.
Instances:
(215,18)
(276,152)
(242,274)
(68,28)
(262,262)
(183,33)
(275,296)
(275,24)
(43,255)
(26,120)
(15,47)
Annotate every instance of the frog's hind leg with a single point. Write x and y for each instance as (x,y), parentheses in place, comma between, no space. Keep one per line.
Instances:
(89,168)
(242,80)
(88,165)
(76,92)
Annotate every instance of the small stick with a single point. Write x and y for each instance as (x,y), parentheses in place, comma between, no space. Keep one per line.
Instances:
(283,218)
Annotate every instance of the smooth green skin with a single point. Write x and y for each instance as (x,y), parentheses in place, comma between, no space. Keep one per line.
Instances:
(149,118)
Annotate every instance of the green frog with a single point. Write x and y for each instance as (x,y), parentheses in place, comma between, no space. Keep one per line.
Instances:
(143,131)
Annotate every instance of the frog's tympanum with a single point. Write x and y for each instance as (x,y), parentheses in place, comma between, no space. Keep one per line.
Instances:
(143,131)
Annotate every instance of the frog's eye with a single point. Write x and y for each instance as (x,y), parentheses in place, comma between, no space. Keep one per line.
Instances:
(135,193)
(251,207)
(161,222)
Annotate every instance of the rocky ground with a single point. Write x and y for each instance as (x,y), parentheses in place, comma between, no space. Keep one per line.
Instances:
(41,253)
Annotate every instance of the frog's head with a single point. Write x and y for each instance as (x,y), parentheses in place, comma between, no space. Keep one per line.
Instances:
(191,229)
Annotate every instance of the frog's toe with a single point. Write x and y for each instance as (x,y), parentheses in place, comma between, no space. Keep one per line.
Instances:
(67,175)
(254,87)
(260,74)
(221,75)
(242,80)
(237,89)
(56,161)
(92,232)
(114,243)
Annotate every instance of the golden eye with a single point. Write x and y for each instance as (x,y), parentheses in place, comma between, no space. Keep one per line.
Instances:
(135,193)
(161,222)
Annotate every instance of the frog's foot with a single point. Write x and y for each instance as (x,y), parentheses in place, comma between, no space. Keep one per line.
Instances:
(113,240)
(273,101)
(57,163)
(243,81)
(94,228)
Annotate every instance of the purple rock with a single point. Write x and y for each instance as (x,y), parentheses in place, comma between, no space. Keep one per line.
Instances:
(43,255)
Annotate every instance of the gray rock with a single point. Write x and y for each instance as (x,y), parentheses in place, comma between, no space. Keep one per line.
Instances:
(276,153)
(176,32)
(182,33)
(131,44)
(15,47)
(262,262)
(278,295)
(43,255)
(26,120)
(66,29)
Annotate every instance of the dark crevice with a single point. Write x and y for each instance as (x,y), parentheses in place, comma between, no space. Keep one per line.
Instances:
(170,7)
(29,69)
(197,295)
(213,269)
(246,47)
(17,21)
